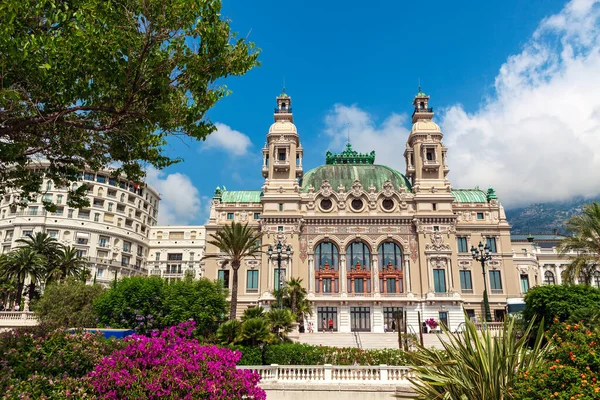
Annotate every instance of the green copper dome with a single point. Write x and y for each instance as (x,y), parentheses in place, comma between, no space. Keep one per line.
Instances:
(346,174)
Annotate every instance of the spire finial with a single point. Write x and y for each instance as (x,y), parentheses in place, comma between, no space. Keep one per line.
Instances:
(419,84)
(348,131)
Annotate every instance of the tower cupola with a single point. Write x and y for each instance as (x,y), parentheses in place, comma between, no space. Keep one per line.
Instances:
(422,109)
(283,111)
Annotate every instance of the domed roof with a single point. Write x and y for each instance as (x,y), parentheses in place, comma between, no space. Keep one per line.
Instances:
(426,125)
(283,126)
(346,174)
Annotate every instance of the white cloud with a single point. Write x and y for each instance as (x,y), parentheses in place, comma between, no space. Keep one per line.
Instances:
(388,139)
(228,140)
(537,137)
(180,200)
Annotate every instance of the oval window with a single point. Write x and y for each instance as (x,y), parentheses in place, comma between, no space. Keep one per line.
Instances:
(387,204)
(326,204)
(357,204)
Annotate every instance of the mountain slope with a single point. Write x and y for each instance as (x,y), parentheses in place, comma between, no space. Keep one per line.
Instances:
(545,217)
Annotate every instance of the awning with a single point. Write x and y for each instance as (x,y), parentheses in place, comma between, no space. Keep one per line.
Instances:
(82,235)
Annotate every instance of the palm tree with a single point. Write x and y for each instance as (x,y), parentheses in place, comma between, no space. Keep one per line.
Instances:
(255,331)
(45,245)
(295,298)
(229,332)
(237,241)
(475,365)
(21,264)
(253,312)
(281,322)
(69,263)
(585,241)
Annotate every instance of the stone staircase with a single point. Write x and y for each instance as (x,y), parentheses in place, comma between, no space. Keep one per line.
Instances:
(368,340)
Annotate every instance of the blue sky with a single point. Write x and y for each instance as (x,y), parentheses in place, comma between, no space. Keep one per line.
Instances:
(355,65)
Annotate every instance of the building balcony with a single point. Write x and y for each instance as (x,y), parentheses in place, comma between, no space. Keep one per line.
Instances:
(425,110)
(431,165)
(281,165)
(283,110)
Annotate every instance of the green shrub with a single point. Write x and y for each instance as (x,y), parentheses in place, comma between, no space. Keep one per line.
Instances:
(559,301)
(69,304)
(303,354)
(250,355)
(151,303)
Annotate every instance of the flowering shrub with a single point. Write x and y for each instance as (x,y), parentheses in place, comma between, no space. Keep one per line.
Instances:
(303,354)
(571,370)
(173,365)
(431,323)
(35,361)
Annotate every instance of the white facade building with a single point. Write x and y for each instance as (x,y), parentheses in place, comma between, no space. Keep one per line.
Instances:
(112,232)
(176,251)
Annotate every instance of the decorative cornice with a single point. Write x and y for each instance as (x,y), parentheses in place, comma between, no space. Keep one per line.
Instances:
(358,220)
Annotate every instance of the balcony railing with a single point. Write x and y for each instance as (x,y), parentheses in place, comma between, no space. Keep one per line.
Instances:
(283,110)
(423,110)
(327,374)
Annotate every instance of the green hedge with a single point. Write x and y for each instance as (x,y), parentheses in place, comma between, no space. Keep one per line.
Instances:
(303,354)
(250,355)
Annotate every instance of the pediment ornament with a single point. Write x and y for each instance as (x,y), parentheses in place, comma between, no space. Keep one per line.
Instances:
(437,243)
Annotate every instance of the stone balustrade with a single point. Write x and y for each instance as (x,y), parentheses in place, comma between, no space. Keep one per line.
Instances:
(324,374)
(15,319)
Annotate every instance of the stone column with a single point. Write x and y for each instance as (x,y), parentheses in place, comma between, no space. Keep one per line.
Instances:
(557,275)
(375,274)
(407,274)
(311,274)
(342,268)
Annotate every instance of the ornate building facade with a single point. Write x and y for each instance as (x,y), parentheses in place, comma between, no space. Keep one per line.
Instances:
(367,240)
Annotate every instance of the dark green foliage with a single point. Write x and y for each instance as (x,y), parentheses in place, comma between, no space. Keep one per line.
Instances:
(558,301)
(99,82)
(229,332)
(200,300)
(303,354)
(149,303)
(250,355)
(253,312)
(69,304)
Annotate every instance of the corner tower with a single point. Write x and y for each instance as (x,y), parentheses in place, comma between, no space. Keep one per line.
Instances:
(425,153)
(282,154)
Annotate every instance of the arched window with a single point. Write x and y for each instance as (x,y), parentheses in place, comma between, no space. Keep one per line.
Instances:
(549,278)
(326,253)
(597,279)
(327,274)
(358,254)
(390,268)
(358,264)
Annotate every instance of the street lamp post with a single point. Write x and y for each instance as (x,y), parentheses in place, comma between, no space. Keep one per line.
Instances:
(281,281)
(482,254)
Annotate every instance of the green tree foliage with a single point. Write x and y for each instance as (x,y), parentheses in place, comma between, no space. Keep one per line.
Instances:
(229,332)
(148,303)
(475,365)
(255,331)
(133,303)
(68,264)
(99,82)
(69,304)
(280,322)
(253,312)
(559,301)
(237,241)
(585,241)
(293,296)
(200,300)
(23,264)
